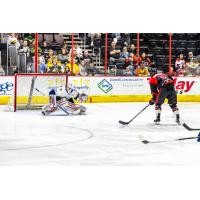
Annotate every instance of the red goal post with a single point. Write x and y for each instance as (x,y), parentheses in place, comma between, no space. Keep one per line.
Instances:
(31,90)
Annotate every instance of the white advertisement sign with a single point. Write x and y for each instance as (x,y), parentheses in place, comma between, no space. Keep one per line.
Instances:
(111,85)
(131,85)
(6,85)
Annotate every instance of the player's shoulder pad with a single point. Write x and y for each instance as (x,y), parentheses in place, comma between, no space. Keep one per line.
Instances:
(153,80)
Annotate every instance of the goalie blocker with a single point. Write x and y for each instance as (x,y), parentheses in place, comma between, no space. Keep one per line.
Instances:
(63,100)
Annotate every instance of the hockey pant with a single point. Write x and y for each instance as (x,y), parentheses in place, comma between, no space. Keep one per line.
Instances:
(170,94)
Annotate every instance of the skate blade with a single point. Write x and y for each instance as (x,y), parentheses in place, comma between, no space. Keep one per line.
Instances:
(157,123)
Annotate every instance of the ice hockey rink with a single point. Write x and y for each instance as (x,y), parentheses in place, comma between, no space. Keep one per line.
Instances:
(97,139)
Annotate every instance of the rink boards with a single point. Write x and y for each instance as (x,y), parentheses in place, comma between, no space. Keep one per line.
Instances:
(100,89)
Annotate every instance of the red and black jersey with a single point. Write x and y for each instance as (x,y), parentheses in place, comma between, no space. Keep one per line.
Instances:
(160,80)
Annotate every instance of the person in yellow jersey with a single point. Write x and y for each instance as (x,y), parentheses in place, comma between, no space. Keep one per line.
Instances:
(142,71)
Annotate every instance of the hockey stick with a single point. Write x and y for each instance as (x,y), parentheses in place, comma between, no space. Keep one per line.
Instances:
(186,126)
(40,92)
(125,123)
(144,141)
(59,106)
(189,128)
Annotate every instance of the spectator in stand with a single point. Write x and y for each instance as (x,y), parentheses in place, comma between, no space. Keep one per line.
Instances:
(116,36)
(50,57)
(133,59)
(143,70)
(30,37)
(24,48)
(32,48)
(192,68)
(88,64)
(76,62)
(132,49)
(45,49)
(12,39)
(41,63)
(77,49)
(180,64)
(54,68)
(82,69)
(125,57)
(63,57)
(92,36)
(131,69)
(143,59)
(114,53)
(42,68)
(76,59)
(64,46)
(126,38)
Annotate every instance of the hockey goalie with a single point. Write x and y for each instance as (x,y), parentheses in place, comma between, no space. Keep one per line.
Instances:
(63,99)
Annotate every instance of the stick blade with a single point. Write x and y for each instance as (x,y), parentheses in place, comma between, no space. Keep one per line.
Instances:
(143,140)
(190,129)
(122,122)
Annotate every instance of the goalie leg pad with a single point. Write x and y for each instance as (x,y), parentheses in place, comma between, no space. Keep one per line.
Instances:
(83,108)
(46,110)
(69,106)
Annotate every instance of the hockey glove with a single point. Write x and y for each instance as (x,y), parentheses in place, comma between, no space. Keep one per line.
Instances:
(83,97)
(152,102)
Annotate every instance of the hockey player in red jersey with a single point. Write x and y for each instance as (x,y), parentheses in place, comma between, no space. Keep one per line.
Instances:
(162,87)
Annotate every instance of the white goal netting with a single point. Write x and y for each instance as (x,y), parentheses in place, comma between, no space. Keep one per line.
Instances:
(31,90)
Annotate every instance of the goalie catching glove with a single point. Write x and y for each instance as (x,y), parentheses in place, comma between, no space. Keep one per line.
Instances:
(82,97)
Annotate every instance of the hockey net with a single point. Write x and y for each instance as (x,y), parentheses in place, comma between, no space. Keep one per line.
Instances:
(31,90)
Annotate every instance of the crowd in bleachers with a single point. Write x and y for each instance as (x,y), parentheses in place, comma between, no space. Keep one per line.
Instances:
(55,54)
(154,54)
(17,53)
(57,57)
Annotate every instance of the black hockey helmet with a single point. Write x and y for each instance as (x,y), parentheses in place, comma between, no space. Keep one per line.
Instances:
(152,70)
(165,69)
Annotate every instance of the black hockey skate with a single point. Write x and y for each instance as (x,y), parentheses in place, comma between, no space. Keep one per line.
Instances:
(43,113)
(157,120)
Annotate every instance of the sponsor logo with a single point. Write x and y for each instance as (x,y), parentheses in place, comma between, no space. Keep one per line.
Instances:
(6,88)
(134,79)
(183,86)
(81,84)
(105,86)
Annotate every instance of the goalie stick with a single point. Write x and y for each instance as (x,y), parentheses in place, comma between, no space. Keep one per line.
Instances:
(144,141)
(125,123)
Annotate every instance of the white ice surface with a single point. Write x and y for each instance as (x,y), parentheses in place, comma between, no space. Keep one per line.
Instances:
(27,138)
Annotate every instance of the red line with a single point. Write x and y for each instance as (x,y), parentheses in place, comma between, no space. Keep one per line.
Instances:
(170,51)
(106,55)
(15,94)
(72,56)
(138,50)
(36,52)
